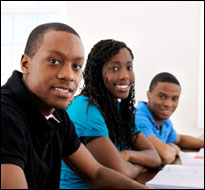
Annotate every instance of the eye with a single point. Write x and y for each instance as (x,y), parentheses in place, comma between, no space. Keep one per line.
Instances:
(175,99)
(77,66)
(130,68)
(54,61)
(162,96)
(114,68)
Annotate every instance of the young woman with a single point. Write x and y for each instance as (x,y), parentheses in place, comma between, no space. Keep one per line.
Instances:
(103,115)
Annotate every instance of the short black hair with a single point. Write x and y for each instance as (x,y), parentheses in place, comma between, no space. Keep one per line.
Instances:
(37,34)
(163,77)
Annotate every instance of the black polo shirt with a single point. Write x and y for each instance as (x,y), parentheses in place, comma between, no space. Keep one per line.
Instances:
(29,140)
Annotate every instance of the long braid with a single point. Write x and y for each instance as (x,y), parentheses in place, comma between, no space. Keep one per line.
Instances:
(120,123)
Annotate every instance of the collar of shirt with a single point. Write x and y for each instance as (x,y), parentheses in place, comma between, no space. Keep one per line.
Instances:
(52,116)
(37,122)
(142,106)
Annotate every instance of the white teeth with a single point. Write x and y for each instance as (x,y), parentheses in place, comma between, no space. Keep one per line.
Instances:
(167,111)
(122,86)
(61,90)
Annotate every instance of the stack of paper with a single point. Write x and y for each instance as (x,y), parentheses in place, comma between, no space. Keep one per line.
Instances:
(179,177)
(192,158)
(200,154)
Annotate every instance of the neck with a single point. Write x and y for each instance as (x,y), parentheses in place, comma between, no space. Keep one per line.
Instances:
(43,108)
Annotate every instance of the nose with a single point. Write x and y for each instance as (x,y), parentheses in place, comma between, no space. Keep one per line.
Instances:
(66,72)
(123,74)
(168,103)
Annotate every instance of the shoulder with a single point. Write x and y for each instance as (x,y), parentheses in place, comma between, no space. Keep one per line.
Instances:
(87,118)
(11,109)
(79,99)
(141,107)
(81,106)
(142,114)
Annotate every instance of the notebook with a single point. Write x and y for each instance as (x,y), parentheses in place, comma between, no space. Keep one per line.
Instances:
(179,177)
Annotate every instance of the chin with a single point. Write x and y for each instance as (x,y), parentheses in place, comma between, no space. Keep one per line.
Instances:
(123,97)
(164,118)
(61,105)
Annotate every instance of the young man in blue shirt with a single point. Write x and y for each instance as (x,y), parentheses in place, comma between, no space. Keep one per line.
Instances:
(152,118)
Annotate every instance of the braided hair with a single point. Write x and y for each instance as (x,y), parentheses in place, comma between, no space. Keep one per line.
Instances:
(120,122)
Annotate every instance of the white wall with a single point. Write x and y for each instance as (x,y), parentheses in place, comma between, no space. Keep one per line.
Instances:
(164,36)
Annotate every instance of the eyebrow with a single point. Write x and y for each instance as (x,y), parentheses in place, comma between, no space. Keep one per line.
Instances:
(62,54)
(166,94)
(117,62)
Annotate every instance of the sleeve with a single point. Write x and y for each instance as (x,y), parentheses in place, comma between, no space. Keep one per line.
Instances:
(13,136)
(144,125)
(71,141)
(137,129)
(85,140)
(88,121)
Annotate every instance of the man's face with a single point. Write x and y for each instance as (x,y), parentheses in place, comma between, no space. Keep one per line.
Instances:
(163,100)
(54,72)
(118,75)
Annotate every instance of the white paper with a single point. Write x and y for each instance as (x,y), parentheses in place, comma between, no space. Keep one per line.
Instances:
(200,154)
(179,177)
(188,158)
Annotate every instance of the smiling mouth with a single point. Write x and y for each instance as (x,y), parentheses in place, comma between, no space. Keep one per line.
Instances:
(122,86)
(166,112)
(62,90)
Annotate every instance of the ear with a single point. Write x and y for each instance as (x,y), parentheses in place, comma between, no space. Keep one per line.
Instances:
(25,63)
(148,95)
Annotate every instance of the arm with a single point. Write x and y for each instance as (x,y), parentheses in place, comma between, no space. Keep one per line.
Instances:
(96,175)
(143,154)
(167,152)
(185,141)
(110,157)
(12,177)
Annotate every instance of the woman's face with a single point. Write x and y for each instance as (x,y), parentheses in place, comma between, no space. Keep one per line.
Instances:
(118,75)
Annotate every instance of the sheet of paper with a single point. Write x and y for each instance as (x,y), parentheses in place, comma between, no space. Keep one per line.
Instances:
(189,158)
(200,154)
(179,177)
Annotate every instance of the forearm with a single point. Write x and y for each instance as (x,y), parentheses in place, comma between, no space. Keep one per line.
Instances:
(148,158)
(191,142)
(118,181)
(133,170)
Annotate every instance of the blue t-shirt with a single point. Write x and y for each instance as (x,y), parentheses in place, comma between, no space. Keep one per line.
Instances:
(88,122)
(147,125)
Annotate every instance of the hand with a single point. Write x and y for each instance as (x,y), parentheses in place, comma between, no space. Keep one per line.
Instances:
(139,168)
(177,148)
(125,155)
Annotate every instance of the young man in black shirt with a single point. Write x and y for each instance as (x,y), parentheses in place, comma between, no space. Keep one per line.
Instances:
(36,131)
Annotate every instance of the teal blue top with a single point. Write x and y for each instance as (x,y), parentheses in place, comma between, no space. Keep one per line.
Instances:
(88,122)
